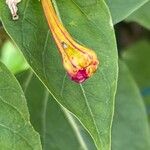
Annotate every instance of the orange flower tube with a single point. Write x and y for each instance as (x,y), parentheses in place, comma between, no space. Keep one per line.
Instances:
(79,62)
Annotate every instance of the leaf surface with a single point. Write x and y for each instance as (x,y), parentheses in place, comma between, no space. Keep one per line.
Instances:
(121,9)
(63,131)
(130,120)
(141,16)
(57,127)
(16,132)
(89,23)
(137,58)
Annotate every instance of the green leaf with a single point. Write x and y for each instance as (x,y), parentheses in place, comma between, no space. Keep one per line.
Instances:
(12,58)
(141,16)
(137,58)
(90,23)
(16,131)
(130,119)
(130,126)
(121,9)
(58,129)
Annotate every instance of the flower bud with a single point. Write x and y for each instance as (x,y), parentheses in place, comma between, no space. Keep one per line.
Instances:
(80,62)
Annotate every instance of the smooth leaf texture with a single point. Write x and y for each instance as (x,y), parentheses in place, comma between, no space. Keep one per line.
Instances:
(12,58)
(141,16)
(16,131)
(130,126)
(121,9)
(58,128)
(90,23)
(137,58)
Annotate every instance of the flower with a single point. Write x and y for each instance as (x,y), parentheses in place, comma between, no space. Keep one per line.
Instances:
(79,62)
(12,4)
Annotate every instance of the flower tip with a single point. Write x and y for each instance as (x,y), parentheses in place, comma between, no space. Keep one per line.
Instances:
(84,73)
(80,76)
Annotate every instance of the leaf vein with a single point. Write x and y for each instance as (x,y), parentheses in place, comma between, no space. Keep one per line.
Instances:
(1,98)
(16,133)
(91,113)
(43,53)
(43,117)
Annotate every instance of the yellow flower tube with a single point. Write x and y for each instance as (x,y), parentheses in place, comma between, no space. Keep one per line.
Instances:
(80,62)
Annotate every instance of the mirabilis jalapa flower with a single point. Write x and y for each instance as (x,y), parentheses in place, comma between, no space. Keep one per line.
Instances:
(79,61)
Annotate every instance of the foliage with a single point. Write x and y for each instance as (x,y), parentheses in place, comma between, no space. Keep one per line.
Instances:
(105,112)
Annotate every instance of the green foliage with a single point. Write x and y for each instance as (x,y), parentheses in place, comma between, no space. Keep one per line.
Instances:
(120,9)
(57,127)
(126,123)
(16,132)
(141,16)
(137,58)
(67,115)
(93,106)
(130,120)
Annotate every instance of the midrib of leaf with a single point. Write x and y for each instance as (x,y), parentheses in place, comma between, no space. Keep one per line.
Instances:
(43,116)
(76,129)
(27,81)
(43,53)
(91,113)
(88,106)
(72,122)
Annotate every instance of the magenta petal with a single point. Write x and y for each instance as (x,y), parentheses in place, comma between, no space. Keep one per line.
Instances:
(80,77)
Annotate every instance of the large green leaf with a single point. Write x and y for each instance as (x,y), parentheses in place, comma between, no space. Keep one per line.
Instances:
(121,9)
(129,121)
(16,131)
(90,23)
(130,126)
(141,16)
(137,58)
(58,129)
